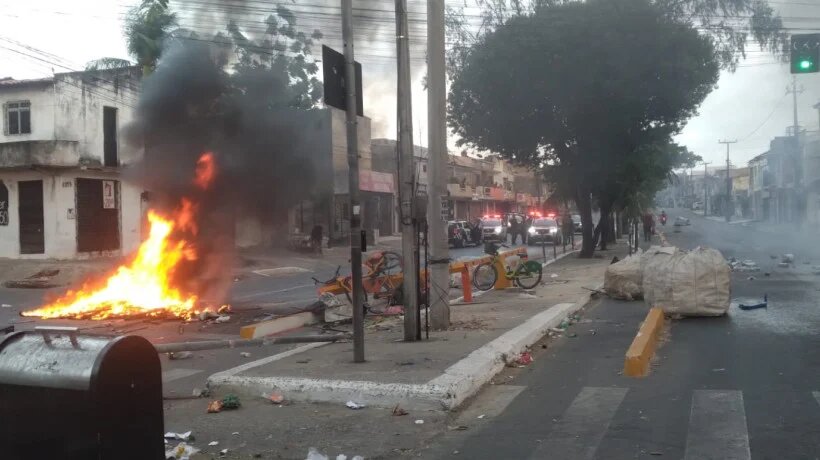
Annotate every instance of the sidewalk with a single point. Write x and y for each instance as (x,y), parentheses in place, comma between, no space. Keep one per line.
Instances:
(435,374)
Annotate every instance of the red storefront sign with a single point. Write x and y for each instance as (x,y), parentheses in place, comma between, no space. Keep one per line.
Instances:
(379,182)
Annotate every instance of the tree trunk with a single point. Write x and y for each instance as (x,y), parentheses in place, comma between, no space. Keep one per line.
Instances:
(619,229)
(612,238)
(585,209)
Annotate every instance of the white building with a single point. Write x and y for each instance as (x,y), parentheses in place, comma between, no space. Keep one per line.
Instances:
(62,194)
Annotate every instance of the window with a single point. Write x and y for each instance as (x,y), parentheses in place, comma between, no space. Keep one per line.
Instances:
(18,116)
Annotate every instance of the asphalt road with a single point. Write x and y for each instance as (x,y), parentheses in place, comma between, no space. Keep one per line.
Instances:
(255,294)
(741,386)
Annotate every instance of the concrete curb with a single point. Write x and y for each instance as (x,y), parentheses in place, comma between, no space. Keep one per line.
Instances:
(445,392)
(640,352)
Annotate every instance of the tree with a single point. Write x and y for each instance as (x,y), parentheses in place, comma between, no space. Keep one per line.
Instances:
(147,29)
(107,63)
(610,77)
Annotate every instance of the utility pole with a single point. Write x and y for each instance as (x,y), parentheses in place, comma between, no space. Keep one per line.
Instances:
(729,205)
(794,91)
(407,176)
(705,189)
(353,181)
(437,143)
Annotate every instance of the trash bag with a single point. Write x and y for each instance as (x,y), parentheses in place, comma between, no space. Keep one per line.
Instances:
(622,280)
(695,283)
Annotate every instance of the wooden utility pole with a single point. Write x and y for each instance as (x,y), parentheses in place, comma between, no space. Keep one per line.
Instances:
(437,143)
(353,180)
(407,176)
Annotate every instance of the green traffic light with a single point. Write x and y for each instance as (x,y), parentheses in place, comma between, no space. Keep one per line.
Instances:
(806,64)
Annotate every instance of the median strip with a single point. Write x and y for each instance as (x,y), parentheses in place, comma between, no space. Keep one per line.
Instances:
(636,362)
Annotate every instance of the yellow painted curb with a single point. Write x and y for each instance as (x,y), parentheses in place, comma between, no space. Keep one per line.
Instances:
(636,363)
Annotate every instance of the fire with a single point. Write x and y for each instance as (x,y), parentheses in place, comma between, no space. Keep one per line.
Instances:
(144,285)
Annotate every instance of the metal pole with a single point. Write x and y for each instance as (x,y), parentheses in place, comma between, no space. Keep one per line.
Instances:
(261,342)
(353,180)
(407,176)
(705,189)
(728,181)
(437,143)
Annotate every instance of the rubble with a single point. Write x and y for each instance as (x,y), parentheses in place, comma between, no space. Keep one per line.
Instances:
(180,355)
(214,406)
(182,451)
(179,436)
(398,411)
(744,266)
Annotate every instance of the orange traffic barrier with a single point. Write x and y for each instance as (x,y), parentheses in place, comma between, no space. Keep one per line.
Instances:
(636,362)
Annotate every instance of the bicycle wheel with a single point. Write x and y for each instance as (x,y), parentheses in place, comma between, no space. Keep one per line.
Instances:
(485,276)
(528,274)
(348,285)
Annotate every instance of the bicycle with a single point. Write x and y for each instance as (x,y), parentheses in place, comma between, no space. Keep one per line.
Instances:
(378,271)
(526,275)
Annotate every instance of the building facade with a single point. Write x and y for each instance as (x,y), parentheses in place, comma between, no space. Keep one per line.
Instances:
(62,191)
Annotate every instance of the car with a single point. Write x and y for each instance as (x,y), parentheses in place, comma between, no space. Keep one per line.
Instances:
(576,223)
(459,234)
(681,221)
(493,228)
(544,229)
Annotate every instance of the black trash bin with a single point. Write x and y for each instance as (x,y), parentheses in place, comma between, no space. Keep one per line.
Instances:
(70,396)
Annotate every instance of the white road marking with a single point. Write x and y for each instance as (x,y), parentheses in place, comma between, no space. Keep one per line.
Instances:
(717,426)
(175,374)
(260,362)
(582,427)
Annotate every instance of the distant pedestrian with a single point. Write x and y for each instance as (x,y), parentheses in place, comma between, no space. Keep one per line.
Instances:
(648,226)
(515,229)
(316,238)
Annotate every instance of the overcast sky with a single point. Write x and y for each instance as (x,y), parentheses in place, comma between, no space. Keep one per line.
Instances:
(749,105)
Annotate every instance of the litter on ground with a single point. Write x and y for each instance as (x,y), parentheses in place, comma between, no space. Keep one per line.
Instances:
(354,405)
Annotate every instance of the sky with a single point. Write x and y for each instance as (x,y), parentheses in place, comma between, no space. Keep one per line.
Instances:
(750,105)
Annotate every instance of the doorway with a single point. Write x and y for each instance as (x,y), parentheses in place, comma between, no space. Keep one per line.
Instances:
(98,217)
(32,228)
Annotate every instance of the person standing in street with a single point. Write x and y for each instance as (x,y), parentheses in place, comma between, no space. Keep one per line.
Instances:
(316,238)
(648,226)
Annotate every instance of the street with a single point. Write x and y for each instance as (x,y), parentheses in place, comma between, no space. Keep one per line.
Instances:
(750,377)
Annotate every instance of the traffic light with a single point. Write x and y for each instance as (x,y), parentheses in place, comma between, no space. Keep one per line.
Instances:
(805,53)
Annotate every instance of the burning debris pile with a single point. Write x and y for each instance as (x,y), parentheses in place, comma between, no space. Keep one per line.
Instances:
(257,165)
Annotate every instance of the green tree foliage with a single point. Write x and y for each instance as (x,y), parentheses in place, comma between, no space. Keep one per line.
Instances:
(581,89)
(107,63)
(148,27)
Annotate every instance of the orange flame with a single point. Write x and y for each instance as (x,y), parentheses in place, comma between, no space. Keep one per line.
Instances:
(205,170)
(145,285)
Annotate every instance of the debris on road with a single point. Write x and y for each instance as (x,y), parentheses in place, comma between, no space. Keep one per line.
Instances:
(207,314)
(214,406)
(419,422)
(525,295)
(226,308)
(223,319)
(178,436)
(746,265)
(274,397)
(787,258)
(354,405)
(752,304)
(180,355)
(213,443)
(5,305)
(182,451)
(398,411)
(784,265)
(458,428)
(245,354)
(554,275)
(231,401)
(223,452)
(481,416)
(524,359)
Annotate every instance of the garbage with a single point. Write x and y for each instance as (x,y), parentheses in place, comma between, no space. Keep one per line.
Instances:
(178,436)
(481,416)
(784,265)
(526,295)
(751,278)
(751,304)
(235,433)
(274,397)
(419,422)
(180,355)
(245,354)
(199,393)
(214,406)
(224,309)
(398,411)
(554,275)
(695,283)
(207,314)
(524,359)
(223,452)
(213,443)
(354,405)
(223,319)
(5,305)
(231,401)
(314,454)
(746,265)
(182,451)
(622,280)
(458,428)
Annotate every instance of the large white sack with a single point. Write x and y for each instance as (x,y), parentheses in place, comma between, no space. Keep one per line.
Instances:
(695,283)
(622,280)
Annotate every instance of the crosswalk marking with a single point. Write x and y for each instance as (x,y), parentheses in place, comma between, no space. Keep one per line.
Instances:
(582,427)
(175,374)
(717,426)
